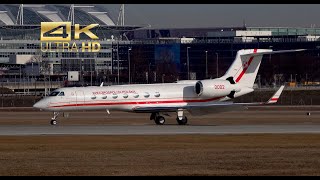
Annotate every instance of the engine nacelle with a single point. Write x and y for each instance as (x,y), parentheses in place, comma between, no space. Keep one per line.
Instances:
(216,88)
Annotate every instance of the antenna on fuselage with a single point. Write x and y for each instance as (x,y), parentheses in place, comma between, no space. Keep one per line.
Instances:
(101,84)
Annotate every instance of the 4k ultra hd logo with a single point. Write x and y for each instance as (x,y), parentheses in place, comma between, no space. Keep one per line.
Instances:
(58,37)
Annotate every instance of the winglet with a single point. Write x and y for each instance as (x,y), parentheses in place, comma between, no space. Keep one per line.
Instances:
(101,84)
(276,96)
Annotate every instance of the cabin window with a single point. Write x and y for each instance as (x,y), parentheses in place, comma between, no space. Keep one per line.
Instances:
(93,97)
(104,97)
(114,96)
(136,95)
(157,94)
(146,95)
(125,96)
(54,93)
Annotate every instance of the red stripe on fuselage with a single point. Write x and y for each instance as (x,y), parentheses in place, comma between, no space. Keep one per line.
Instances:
(142,102)
(274,99)
(245,69)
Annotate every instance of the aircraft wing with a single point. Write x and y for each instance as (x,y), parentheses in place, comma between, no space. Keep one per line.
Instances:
(272,100)
(214,107)
(152,109)
(230,106)
(198,111)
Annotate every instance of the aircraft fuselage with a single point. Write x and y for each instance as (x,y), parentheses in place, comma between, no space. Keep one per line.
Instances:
(124,97)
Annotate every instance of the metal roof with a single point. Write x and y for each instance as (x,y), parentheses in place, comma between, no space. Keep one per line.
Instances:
(35,14)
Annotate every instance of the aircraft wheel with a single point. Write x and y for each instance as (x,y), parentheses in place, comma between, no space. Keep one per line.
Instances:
(153,116)
(160,120)
(183,121)
(53,122)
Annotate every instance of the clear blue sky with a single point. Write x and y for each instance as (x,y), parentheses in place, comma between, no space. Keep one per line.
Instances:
(219,15)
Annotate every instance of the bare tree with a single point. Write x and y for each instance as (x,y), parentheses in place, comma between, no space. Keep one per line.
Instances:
(44,68)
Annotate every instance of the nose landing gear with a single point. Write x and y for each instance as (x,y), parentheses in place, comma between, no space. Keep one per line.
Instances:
(54,118)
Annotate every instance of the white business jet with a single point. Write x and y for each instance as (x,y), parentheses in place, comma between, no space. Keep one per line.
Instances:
(199,97)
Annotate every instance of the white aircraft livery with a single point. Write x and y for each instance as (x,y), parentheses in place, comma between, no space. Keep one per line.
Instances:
(199,97)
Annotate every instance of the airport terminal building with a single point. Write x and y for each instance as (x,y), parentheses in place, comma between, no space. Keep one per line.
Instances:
(150,55)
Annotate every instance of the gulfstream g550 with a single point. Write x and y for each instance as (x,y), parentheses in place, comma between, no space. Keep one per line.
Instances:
(199,97)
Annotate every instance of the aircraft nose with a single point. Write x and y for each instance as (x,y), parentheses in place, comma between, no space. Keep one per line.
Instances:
(40,104)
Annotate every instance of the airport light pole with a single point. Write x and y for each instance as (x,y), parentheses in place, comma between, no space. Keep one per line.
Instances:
(259,80)
(49,69)
(80,70)
(188,63)
(32,70)
(90,72)
(129,65)
(306,79)
(20,77)
(217,64)
(149,71)
(275,79)
(270,47)
(2,94)
(34,79)
(206,64)
(118,62)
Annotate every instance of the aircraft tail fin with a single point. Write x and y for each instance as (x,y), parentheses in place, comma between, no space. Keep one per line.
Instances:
(245,67)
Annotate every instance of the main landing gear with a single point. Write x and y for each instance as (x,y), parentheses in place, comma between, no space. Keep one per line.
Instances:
(54,118)
(183,121)
(160,120)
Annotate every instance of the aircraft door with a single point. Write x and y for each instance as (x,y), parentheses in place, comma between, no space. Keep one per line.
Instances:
(80,98)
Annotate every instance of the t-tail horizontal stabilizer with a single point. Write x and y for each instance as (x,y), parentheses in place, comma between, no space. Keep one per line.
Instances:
(272,52)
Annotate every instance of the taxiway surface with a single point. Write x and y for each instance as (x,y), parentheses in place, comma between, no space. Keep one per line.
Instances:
(156,130)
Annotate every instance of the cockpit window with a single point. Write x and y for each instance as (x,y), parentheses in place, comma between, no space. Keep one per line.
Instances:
(61,93)
(54,93)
